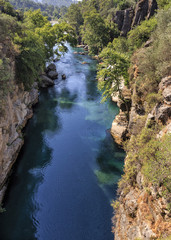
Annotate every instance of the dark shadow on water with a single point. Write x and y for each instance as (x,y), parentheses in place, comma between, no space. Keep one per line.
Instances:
(110,161)
(66,99)
(27,177)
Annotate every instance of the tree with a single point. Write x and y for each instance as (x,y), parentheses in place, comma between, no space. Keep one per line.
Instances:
(94,32)
(74,17)
(111,73)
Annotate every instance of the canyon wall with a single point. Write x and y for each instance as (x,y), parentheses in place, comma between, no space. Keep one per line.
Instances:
(15,110)
(142,210)
(131,17)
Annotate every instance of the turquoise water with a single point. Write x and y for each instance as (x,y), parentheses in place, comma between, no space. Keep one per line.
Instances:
(66,174)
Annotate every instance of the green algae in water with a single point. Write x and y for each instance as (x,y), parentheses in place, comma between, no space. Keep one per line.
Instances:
(106,178)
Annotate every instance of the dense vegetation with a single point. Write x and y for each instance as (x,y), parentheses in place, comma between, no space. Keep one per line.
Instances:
(51,11)
(58,2)
(29,39)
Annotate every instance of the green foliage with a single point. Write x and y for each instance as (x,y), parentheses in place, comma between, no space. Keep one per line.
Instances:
(94,32)
(115,204)
(152,156)
(74,17)
(164,4)
(31,42)
(36,44)
(9,26)
(30,61)
(49,10)
(156,155)
(152,99)
(154,63)
(111,72)
(7,8)
(58,2)
(141,33)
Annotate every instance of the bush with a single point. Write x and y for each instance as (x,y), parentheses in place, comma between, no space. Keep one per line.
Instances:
(141,33)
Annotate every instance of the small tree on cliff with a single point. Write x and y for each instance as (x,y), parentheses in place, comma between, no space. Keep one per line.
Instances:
(111,73)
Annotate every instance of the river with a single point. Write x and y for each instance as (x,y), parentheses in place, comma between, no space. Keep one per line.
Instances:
(67,172)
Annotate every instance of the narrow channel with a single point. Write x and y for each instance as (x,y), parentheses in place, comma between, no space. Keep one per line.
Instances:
(67,172)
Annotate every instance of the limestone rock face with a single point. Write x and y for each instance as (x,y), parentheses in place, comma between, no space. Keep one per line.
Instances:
(141,216)
(144,10)
(14,117)
(129,18)
(119,128)
(142,212)
(123,18)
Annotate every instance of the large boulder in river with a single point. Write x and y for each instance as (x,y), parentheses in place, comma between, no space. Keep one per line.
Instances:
(52,74)
(51,67)
(45,81)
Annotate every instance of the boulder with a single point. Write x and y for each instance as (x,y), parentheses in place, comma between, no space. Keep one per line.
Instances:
(45,81)
(51,67)
(52,74)
(63,76)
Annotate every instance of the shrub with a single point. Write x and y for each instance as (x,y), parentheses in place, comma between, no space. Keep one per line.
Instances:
(141,33)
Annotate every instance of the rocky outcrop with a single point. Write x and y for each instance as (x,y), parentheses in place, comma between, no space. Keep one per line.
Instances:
(123,19)
(18,109)
(129,18)
(50,74)
(144,10)
(142,215)
(142,211)
(119,129)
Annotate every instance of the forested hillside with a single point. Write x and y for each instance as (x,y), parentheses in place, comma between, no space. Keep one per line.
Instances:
(59,3)
(51,11)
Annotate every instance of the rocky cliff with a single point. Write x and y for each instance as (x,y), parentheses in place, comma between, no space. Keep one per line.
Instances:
(131,17)
(142,210)
(18,109)
(15,110)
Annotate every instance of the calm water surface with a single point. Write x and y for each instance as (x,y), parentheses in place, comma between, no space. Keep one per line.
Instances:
(67,172)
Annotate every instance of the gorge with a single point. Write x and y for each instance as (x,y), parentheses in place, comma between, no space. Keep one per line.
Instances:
(67,172)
